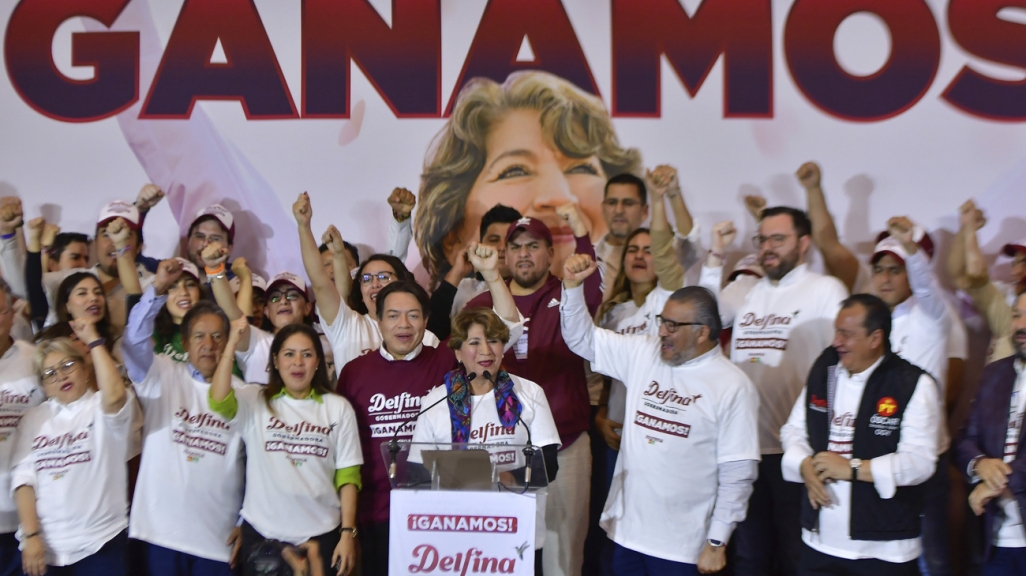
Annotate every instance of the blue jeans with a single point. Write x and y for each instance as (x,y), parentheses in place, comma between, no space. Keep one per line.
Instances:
(1005,562)
(166,562)
(627,562)
(936,558)
(108,561)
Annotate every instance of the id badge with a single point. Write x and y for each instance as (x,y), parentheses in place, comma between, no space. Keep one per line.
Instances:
(520,348)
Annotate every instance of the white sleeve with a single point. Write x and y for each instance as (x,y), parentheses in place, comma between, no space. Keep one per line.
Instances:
(399,236)
(23,468)
(794,437)
(739,429)
(543,426)
(347,450)
(12,266)
(925,287)
(257,353)
(916,457)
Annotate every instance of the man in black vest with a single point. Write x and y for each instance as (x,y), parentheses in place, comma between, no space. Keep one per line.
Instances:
(989,451)
(862,438)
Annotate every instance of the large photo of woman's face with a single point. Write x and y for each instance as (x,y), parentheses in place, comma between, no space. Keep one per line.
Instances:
(534,142)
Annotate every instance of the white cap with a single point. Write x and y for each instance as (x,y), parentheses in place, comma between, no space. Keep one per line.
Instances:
(119,209)
(258,283)
(747,265)
(189,268)
(222,215)
(288,278)
(890,245)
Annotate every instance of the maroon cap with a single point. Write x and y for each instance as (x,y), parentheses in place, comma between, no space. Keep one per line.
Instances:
(1013,248)
(536,227)
(919,236)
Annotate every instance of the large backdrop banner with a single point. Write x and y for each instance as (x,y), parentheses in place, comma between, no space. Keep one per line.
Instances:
(910,106)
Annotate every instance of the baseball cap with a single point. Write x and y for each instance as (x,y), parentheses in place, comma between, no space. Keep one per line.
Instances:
(222,215)
(189,268)
(919,236)
(119,209)
(258,283)
(892,246)
(536,227)
(1012,248)
(749,265)
(287,278)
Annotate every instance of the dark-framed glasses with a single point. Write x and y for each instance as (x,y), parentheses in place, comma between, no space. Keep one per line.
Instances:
(382,277)
(66,366)
(673,325)
(775,240)
(290,296)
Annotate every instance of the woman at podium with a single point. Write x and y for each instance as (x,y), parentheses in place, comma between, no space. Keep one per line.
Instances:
(484,404)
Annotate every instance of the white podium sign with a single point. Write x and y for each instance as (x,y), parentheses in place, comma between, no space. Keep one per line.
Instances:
(451,532)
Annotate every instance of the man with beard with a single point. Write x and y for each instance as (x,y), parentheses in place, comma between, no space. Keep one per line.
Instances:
(784,323)
(989,451)
(692,418)
(107,257)
(213,225)
(541,355)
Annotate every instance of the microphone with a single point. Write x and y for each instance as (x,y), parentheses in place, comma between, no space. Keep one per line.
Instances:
(529,449)
(393,444)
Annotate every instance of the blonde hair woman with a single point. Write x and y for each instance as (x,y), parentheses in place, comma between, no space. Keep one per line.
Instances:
(534,142)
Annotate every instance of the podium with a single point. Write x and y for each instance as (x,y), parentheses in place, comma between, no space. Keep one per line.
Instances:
(464,508)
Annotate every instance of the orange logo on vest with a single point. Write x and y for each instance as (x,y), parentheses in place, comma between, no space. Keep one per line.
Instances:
(886,406)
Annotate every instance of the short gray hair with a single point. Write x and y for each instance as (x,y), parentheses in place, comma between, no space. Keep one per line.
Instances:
(6,289)
(707,312)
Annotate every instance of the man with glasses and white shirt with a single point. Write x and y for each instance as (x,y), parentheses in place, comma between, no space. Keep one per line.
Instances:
(691,417)
(784,323)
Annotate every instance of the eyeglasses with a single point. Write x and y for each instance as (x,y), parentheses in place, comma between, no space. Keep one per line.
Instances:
(383,277)
(775,240)
(625,202)
(672,326)
(291,296)
(64,367)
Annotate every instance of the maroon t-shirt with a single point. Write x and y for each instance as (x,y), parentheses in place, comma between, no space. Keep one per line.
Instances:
(384,393)
(549,362)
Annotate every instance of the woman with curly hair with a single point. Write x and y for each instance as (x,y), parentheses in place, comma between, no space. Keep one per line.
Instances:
(534,142)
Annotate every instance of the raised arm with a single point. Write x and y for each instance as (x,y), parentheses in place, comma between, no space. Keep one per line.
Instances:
(485,260)
(221,399)
(136,343)
(575,320)
(593,284)
(663,183)
(328,299)
(840,261)
(400,227)
(35,266)
(214,257)
(12,251)
(729,299)
(967,218)
(244,297)
(108,379)
(920,278)
(332,238)
(440,322)
(120,234)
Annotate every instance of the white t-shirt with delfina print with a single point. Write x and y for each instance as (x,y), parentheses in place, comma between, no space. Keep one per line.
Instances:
(779,331)
(293,448)
(435,425)
(19,391)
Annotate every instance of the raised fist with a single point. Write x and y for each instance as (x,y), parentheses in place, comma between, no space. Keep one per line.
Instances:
(723,235)
(50,232)
(485,260)
(970,217)
(902,229)
(663,181)
(332,238)
(241,269)
(168,272)
(809,175)
(576,268)
(402,202)
(11,216)
(149,196)
(119,232)
(302,210)
(572,215)
(84,329)
(34,229)
(214,254)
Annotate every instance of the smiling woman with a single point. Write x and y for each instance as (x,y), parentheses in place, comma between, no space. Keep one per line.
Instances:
(535,142)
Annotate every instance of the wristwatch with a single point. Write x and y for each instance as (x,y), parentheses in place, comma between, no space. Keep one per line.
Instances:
(350,529)
(715,543)
(856,463)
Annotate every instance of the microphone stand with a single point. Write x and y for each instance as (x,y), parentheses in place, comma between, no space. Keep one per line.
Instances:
(393,444)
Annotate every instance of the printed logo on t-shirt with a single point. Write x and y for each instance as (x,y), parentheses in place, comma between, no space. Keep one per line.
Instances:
(842,433)
(817,404)
(200,433)
(386,413)
(492,432)
(660,425)
(296,440)
(655,395)
(54,454)
(12,407)
(635,329)
(886,406)
(762,338)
